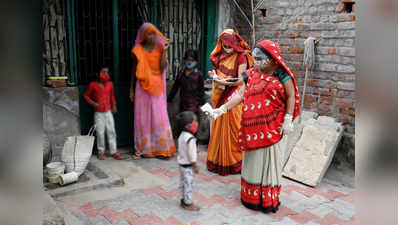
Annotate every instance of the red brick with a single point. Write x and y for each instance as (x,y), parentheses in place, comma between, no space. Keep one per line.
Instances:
(293,34)
(299,26)
(195,223)
(289,188)
(127,213)
(332,194)
(158,171)
(202,199)
(343,111)
(314,83)
(299,50)
(309,191)
(344,102)
(282,212)
(171,173)
(146,219)
(348,198)
(304,217)
(170,194)
(310,98)
(351,112)
(351,17)
(277,35)
(328,92)
(222,179)
(332,51)
(173,220)
(111,215)
(326,99)
(153,190)
(86,206)
(92,213)
(330,220)
(204,177)
(232,204)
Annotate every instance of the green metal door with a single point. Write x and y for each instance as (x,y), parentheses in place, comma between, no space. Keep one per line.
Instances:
(102,32)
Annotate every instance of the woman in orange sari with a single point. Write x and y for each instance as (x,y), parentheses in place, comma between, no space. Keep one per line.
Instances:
(230,59)
(152,132)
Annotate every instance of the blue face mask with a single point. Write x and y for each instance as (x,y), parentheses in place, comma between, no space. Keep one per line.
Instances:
(190,64)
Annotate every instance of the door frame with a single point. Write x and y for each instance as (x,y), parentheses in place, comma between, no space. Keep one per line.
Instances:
(208,14)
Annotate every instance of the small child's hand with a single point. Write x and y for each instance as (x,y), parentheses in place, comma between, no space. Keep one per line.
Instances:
(196,170)
(114,109)
(96,105)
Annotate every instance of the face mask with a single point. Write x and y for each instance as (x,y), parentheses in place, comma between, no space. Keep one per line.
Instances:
(190,64)
(228,50)
(194,127)
(261,63)
(104,77)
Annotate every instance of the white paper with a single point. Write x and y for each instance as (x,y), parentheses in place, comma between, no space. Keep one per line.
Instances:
(206,108)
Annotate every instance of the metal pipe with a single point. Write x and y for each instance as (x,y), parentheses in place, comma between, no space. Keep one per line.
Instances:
(243,13)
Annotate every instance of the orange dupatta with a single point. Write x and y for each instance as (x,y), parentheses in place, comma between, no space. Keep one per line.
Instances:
(148,66)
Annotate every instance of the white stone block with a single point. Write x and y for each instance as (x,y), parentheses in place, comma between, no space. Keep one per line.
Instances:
(313,153)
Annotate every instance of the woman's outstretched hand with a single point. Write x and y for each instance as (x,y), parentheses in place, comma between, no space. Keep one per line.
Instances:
(288,126)
(214,114)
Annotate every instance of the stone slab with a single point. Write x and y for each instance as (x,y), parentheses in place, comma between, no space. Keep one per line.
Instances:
(60,116)
(293,138)
(313,153)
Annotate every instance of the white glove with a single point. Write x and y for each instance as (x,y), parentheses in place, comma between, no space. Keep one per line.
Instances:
(288,126)
(218,112)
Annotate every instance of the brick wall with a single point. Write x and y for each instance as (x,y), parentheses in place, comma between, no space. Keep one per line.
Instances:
(331,87)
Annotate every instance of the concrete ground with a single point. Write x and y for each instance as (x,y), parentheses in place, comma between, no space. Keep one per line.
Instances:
(150,196)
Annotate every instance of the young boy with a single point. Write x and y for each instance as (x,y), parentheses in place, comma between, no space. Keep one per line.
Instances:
(100,95)
(187,155)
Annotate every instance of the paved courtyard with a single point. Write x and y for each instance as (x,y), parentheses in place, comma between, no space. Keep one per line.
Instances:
(150,196)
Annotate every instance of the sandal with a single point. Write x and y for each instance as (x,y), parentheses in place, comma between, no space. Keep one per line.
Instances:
(191,207)
(117,156)
(136,156)
(101,156)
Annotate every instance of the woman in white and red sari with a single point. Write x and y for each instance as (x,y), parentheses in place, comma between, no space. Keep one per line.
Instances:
(270,104)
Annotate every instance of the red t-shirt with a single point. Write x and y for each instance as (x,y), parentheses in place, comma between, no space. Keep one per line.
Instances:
(103,95)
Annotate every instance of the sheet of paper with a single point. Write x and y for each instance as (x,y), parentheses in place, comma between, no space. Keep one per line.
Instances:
(206,108)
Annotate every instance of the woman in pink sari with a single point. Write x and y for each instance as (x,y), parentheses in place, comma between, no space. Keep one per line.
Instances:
(152,132)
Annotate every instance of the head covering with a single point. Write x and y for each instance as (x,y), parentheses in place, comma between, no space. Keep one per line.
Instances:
(272,48)
(143,33)
(232,39)
(148,73)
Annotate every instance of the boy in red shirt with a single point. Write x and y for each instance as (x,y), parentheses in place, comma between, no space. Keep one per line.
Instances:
(100,95)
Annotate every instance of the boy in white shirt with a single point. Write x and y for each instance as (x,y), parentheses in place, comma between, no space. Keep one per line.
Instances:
(187,156)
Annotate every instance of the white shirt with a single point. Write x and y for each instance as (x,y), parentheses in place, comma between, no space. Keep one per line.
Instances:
(187,153)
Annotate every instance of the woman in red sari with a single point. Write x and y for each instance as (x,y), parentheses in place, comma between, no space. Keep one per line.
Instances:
(230,59)
(270,104)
